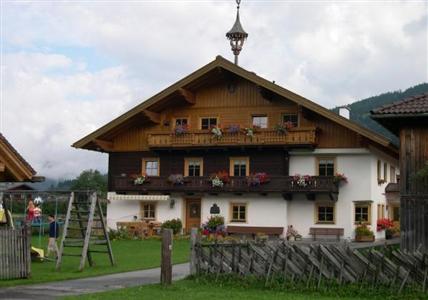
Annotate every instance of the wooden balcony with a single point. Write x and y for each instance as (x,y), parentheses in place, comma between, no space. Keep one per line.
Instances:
(204,138)
(282,184)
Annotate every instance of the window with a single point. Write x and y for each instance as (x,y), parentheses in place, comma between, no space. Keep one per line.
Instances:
(151,166)
(239,212)
(325,213)
(260,121)
(380,211)
(239,166)
(385,171)
(362,213)
(392,174)
(181,122)
(207,123)
(148,211)
(326,166)
(396,213)
(193,166)
(379,170)
(293,118)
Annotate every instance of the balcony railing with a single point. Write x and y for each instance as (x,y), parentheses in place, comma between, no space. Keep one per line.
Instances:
(282,184)
(202,138)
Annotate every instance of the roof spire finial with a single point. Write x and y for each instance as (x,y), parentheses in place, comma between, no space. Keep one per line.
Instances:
(237,35)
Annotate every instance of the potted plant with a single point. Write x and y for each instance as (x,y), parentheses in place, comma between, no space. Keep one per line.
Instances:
(214,227)
(301,180)
(140,179)
(234,129)
(364,234)
(385,224)
(256,179)
(250,131)
(181,129)
(339,178)
(217,132)
(219,179)
(282,128)
(176,179)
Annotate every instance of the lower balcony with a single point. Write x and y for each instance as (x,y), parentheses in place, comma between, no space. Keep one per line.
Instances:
(287,185)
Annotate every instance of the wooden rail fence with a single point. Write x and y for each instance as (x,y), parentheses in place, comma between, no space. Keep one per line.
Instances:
(15,253)
(313,263)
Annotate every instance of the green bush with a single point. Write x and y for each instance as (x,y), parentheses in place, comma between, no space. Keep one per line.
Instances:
(120,234)
(174,224)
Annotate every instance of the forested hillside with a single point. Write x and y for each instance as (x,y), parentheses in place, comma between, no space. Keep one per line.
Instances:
(360,110)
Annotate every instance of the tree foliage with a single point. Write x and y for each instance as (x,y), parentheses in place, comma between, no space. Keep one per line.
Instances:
(90,180)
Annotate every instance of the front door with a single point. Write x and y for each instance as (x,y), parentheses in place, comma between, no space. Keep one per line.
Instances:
(193,214)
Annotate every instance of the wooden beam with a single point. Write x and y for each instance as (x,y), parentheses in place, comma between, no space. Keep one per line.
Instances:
(154,117)
(105,145)
(187,95)
(2,166)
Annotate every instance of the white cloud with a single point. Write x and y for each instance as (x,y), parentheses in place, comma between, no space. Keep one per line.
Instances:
(331,52)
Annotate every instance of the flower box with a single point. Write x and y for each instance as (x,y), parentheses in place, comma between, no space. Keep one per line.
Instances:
(364,238)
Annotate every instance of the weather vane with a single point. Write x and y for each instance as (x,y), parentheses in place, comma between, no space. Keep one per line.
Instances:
(237,35)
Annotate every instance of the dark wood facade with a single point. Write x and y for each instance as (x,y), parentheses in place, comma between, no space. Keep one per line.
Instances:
(408,119)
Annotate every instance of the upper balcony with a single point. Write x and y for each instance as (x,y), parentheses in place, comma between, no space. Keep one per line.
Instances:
(299,136)
(287,185)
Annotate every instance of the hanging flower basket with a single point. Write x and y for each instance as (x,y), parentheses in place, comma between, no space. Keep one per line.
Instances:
(250,131)
(257,179)
(233,129)
(283,128)
(140,179)
(219,179)
(301,180)
(340,178)
(181,129)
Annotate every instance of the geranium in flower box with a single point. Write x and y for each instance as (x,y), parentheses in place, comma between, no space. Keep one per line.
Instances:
(339,178)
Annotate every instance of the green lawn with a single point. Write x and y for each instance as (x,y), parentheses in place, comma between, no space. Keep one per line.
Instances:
(193,290)
(129,254)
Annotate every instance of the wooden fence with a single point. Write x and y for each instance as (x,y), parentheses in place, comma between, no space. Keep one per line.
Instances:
(15,253)
(313,263)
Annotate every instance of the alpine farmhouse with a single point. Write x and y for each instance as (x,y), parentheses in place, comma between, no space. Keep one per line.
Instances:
(224,140)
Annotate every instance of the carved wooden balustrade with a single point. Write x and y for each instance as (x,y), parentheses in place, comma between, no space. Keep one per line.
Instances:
(201,138)
(282,184)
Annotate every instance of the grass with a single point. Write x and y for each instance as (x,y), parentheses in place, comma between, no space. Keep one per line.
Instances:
(232,287)
(130,255)
(193,290)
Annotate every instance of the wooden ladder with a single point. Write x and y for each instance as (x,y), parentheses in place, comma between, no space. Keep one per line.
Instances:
(79,231)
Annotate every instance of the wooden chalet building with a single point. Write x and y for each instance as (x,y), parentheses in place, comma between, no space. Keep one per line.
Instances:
(172,133)
(408,119)
(13,167)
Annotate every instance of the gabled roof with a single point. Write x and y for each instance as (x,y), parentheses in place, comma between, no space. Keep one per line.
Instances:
(221,63)
(412,111)
(14,164)
(412,105)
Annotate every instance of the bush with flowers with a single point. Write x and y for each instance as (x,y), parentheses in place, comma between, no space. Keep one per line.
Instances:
(234,128)
(217,132)
(282,128)
(181,129)
(383,224)
(140,179)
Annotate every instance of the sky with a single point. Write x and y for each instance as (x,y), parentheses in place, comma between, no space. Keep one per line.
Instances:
(69,67)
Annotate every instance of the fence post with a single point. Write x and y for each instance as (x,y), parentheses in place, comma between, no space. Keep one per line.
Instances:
(193,254)
(166,259)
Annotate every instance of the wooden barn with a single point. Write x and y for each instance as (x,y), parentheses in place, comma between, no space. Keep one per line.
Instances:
(408,119)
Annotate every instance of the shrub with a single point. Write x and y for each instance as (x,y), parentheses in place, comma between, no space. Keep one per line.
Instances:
(120,234)
(384,223)
(214,224)
(175,224)
(363,230)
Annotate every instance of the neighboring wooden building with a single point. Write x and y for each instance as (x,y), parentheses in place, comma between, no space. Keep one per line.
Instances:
(150,139)
(408,119)
(13,167)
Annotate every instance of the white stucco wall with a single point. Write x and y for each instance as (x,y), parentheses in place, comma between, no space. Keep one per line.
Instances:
(264,211)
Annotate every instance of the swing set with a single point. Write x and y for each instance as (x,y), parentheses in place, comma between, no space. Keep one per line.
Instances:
(73,211)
